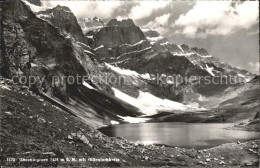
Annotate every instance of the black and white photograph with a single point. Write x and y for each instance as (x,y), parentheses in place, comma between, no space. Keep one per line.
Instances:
(139,83)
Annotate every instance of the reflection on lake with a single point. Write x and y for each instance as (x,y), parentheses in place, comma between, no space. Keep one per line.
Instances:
(188,135)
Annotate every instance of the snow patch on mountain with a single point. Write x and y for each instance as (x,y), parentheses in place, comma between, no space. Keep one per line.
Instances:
(44,16)
(101,46)
(145,29)
(134,119)
(83,44)
(87,29)
(90,37)
(127,72)
(247,79)
(36,8)
(154,39)
(88,52)
(132,45)
(210,69)
(149,104)
(166,43)
(4,87)
(114,122)
(88,85)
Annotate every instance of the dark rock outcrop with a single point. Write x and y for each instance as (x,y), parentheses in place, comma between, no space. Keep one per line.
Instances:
(35,2)
(200,51)
(64,19)
(33,47)
(117,33)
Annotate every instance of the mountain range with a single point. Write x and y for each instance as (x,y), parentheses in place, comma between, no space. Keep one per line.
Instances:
(50,43)
(54,42)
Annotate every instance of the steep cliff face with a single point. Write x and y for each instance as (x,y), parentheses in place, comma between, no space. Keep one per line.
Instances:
(154,62)
(157,56)
(64,19)
(32,46)
(117,33)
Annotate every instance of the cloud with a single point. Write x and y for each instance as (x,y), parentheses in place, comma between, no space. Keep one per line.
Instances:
(160,23)
(101,9)
(217,18)
(254,67)
(145,9)
(136,10)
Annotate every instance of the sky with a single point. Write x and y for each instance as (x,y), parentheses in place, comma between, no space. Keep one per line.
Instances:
(228,30)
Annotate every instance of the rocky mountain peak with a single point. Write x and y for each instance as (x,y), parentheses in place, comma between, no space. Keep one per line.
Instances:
(64,19)
(117,33)
(96,19)
(121,23)
(201,51)
(185,47)
(90,24)
(64,8)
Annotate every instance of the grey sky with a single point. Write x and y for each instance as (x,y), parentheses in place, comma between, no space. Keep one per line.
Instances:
(227,30)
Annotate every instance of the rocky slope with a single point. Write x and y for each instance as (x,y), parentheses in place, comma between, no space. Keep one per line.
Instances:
(198,56)
(43,131)
(34,47)
(64,19)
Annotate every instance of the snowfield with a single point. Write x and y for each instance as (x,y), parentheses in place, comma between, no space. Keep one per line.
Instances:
(245,77)
(88,85)
(88,52)
(114,122)
(44,16)
(149,104)
(127,72)
(134,119)
(210,69)
(36,8)
(101,46)
(154,39)
(87,29)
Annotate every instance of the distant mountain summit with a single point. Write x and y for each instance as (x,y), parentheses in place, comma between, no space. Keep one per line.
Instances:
(198,56)
(118,32)
(90,24)
(121,23)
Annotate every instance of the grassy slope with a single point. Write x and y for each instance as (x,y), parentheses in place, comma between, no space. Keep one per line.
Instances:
(33,128)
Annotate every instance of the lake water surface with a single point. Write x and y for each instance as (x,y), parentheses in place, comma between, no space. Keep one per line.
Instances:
(187,135)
